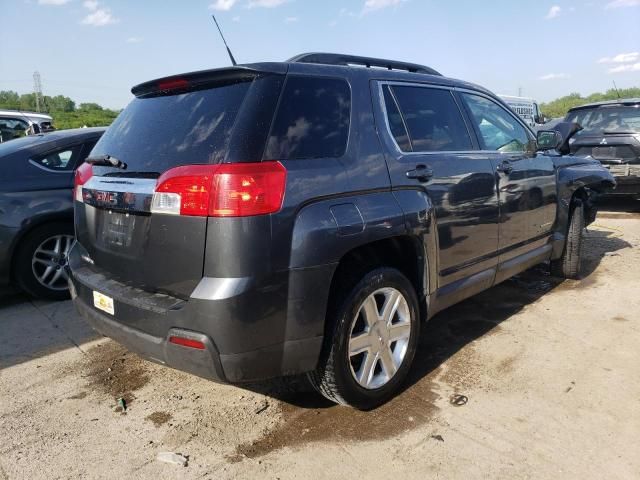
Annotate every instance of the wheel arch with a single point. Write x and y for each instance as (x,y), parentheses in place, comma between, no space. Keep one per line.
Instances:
(32,225)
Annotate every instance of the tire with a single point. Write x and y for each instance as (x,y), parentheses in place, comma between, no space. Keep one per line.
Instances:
(365,380)
(39,253)
(569,265)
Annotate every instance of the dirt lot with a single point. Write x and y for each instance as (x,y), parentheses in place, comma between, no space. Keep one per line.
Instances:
(535,378)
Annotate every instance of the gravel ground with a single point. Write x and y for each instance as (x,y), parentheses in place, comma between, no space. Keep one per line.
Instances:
(535,378)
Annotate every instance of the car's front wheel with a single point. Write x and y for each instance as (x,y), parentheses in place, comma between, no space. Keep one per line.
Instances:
(570,264)
(372,342)
(39,266)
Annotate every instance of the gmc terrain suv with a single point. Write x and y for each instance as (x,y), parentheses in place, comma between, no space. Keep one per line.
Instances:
(611,134)
(274,219)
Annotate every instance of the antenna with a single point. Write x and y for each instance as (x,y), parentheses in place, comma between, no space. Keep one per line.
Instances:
(233,60)
(616,88)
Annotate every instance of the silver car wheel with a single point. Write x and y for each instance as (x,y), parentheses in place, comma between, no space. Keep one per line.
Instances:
(379,338)
(49,261)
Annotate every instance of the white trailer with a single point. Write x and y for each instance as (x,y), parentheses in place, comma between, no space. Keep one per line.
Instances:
(525,108)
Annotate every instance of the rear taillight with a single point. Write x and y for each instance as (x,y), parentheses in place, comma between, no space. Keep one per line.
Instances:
(223,190)
(83,173)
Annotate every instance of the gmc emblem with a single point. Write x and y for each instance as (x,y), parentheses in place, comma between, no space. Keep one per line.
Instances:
(110,198)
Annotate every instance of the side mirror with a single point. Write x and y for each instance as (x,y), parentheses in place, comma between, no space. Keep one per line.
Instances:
(548,140)
(537,119)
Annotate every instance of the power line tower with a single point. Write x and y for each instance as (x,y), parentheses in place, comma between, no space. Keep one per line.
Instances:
(37,89)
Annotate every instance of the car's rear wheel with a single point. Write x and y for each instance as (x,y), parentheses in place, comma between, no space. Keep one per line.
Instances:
(41,260)
(372,341)
(569,265)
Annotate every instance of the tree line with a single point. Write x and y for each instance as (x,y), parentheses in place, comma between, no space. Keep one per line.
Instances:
(65,112)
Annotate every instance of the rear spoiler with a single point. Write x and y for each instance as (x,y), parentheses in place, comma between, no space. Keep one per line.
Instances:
(202,78)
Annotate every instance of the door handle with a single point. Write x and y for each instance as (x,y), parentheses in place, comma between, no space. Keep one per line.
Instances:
(421,172)
(505,167)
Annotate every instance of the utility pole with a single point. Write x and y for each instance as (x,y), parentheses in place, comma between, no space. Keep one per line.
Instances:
(519,91)
(37,89)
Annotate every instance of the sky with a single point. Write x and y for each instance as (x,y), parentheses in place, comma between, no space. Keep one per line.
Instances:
(96,50)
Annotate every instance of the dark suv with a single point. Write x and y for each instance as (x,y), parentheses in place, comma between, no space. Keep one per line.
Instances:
(274,219)
(611,134)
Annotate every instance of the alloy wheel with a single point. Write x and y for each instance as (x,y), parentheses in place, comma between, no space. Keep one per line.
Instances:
(49,261)
(379,338)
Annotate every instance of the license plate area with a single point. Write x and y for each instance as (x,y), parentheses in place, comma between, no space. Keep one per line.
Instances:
(103,302)
(605,153)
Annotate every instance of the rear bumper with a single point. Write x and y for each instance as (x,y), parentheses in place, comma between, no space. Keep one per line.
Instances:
(627,177)
(626,185)
(247,338)
(204,363)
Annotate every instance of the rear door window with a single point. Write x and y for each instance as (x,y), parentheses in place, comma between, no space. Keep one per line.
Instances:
(433,119)
(59,160)
(396,123)
(312,119)
(158,133)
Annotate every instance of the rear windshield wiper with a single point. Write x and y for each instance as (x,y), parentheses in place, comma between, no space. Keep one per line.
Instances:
(106,161)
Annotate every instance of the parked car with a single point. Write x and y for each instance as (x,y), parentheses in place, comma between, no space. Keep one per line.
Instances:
(36,208)
(611,134)
(274,219)
(526,108)
(16,124)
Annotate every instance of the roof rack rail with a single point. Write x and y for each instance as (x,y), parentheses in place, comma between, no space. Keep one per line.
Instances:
(341,59)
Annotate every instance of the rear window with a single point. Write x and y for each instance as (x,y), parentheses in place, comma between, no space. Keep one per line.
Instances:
(603,120)
(158,133)
(312,119)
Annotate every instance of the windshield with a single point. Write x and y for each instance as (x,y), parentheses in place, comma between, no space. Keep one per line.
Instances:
(600,120)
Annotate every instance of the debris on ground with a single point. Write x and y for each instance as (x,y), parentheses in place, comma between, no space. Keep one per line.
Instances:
(174,458)
(458,400)
(438,437)
(122,403)
(261,407)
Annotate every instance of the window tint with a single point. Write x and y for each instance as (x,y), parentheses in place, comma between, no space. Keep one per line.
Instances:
(60,160)
(396,124)
(158,133)
(312,119)
(498,129)
(433,119)
(11,128)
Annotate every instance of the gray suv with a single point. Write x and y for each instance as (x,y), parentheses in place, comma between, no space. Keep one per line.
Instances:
(275,219)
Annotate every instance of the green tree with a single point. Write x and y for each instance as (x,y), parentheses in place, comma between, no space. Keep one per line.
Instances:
(59,103)
(27,101)
(89,106)
(9,99)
